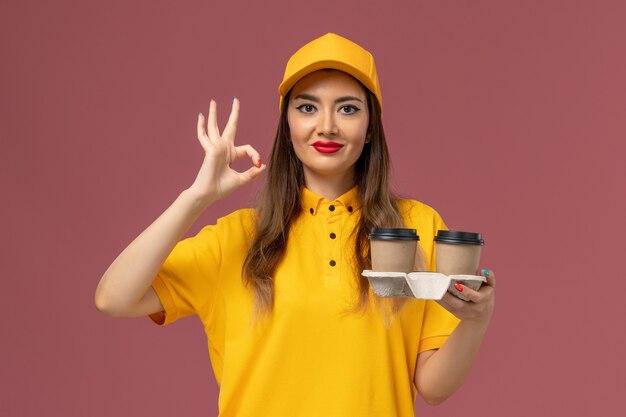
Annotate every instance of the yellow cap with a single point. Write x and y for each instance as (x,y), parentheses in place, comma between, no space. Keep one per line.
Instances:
(331,51)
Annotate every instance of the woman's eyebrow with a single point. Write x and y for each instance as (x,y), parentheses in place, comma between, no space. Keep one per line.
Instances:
(317,100)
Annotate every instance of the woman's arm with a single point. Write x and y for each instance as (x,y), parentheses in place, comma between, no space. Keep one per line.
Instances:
(124,289)
(441,372)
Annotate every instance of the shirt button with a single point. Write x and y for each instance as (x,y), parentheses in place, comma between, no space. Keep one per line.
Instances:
(333,263)
(331,208)
(350,209)
(311,210)
(332,235)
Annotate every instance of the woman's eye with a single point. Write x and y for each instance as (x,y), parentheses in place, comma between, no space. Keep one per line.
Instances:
(306,108)
(349,109)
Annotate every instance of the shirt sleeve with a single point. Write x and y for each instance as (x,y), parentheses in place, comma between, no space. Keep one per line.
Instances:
(186,282)
(438,325)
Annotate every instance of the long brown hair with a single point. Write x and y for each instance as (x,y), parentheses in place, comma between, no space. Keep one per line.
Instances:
(279,205)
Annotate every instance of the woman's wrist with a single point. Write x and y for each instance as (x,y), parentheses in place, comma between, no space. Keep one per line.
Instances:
(199,202)
(477,324)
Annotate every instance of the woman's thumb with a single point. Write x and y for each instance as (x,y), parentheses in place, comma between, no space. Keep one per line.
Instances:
(251,173)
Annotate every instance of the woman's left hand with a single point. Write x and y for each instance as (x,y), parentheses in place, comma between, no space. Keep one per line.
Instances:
(480,306)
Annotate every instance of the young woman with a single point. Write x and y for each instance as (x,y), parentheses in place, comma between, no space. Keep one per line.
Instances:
(293,328)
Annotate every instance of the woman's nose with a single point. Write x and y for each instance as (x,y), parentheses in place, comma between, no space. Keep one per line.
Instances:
(327,124)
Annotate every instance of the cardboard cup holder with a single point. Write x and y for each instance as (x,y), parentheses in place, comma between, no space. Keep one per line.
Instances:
(422,285)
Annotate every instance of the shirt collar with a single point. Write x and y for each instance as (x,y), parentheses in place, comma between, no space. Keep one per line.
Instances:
(312,203)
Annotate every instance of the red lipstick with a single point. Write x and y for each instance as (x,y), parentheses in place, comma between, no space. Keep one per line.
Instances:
(327,147)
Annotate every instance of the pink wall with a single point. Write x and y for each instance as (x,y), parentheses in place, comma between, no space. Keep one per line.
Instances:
(509,117)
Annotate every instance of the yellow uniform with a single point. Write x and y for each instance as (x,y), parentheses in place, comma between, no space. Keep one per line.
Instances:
(309,357)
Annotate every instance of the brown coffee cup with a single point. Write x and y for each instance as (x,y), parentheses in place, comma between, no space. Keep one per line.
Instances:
(458,253)
(393,249)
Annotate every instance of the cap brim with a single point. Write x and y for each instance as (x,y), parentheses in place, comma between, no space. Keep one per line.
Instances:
(288,83)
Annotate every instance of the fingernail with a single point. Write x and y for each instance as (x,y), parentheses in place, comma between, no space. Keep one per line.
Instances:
(485,272)
(458,287)
(233,99)
(199,115)
(258,164)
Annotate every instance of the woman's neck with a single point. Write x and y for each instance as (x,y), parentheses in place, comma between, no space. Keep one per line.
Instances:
(329,187)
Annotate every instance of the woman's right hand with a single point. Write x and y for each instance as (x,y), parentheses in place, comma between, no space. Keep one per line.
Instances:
(216,179)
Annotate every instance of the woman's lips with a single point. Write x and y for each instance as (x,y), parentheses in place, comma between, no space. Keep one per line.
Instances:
(327,147)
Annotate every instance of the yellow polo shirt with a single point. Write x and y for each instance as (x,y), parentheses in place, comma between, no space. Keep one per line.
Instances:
(308,357)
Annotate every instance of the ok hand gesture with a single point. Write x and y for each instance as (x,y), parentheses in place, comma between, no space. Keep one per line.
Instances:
(216,179)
